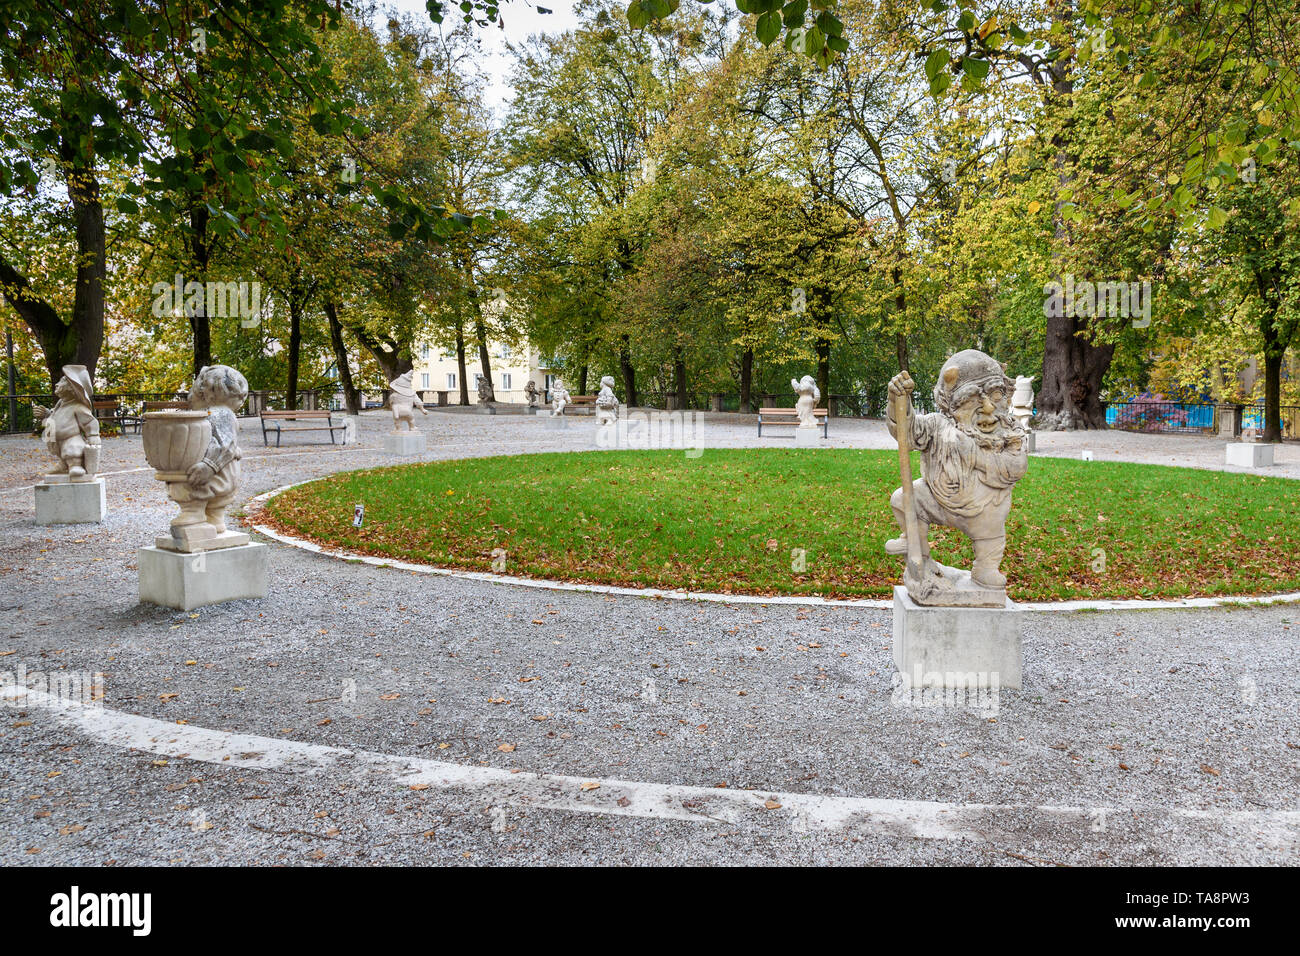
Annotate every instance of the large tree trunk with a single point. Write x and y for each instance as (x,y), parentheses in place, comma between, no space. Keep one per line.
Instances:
(295,346)
(582,379)
(1073,369)
(484,360)
(460,363)
(1272,396)
(200,323)
(351,400)
(629,373)
(679,378)
(746,378)
(92,267)
(392,358)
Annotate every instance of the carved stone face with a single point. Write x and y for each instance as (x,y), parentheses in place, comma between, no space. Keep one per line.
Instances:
(64,390)
(981,408)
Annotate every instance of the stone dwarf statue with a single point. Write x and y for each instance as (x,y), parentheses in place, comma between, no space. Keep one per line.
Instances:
(532,392)
(71,430)
(1022,400)
(486,395)
(972,455)
(809,394)
(606,402)
(403,401)
(214,478)
(559,398)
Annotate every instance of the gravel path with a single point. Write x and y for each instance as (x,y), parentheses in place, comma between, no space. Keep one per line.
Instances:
(1172,735)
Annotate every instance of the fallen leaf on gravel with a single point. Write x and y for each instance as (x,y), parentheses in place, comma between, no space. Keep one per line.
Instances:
(525,680)
(158,763)
(419,786)
(1206,768)
(624,802)
(507,748)
(536,621)
(772,805)
(74,828)
(389,696)
(541,717)
(325,723)
(497,700)
(23,723)
(167,696)
(590,785)
(1123,766)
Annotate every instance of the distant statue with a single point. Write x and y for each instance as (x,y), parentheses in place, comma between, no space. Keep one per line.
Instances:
(532,392)
(485,394)
(1022,400)
(71,430)
(808,392)
(403,401)
(972,454)
(606,402)
(559,398)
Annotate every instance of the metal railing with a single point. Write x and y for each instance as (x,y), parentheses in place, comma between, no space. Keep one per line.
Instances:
(23,420)
(1196,418)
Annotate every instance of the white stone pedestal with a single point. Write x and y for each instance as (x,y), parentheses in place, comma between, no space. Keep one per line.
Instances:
(351,429)
(807,437)
(556,422)
(405,443)
(1031,442)
(1249,454)
(186,581)
(957,646)
(60,500)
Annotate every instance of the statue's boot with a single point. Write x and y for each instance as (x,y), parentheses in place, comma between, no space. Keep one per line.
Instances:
(988,557)
(896,545)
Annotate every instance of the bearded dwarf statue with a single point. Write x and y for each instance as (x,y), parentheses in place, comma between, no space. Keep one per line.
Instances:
(972,454)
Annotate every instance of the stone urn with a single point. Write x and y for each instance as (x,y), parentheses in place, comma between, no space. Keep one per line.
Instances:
(174,440)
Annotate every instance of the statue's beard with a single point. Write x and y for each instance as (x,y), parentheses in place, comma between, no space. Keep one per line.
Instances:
(995,440)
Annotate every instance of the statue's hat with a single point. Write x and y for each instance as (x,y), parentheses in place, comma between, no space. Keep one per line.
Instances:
(79,378)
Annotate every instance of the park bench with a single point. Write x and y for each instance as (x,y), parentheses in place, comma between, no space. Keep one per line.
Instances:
(166,406)
(586,404)
(316,421)
(110,412)
(788,416)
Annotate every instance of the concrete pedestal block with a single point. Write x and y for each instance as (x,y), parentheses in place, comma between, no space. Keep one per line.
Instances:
(61,501)
(556,422)
(1246,454)
(957,646)
(351,429)
(808,437)
(1031,442)
(186,581)
(485,409)
(405,443)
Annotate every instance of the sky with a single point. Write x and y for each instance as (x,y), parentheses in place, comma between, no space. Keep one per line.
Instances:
(521,21)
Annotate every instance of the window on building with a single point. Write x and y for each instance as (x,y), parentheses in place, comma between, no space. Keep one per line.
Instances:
(424,352)
(424,380)
(505,381)
(505,351)
(451,379)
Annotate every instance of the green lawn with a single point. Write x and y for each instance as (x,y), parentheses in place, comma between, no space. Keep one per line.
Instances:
(728,521)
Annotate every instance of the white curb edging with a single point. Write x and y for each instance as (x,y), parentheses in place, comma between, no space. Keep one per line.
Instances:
(257,503)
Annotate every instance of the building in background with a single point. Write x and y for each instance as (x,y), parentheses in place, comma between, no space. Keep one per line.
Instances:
(437,371)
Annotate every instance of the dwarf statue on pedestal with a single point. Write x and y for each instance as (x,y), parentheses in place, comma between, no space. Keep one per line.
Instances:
(71,430)
(972,454)
(809,394)
(532,392)
(559,398)
(606,402)
(403,401)
(214,478)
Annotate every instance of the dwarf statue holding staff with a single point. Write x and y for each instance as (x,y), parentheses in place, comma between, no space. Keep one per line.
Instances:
(972,455)
(71,430)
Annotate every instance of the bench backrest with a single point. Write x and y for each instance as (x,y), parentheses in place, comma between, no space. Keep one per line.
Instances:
(582,399)
(160,406)
(788,411)
(293,413)
(106,404)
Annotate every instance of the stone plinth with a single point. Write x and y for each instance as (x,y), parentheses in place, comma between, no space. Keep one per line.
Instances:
(1245,454)
(186,581)
(60,500)
(556,422)
(954,646)
(807,437)
(1031,442)
(404,443)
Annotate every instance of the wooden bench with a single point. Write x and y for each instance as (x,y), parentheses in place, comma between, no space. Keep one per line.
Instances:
(319,421)
(109,411)
(788,416)
(586,404)
(166,406)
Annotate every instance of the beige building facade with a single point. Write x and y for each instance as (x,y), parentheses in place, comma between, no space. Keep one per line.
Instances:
(436,371)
